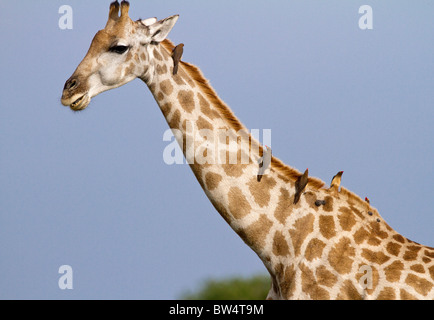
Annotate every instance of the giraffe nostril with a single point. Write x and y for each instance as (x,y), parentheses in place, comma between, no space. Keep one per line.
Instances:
(70,84)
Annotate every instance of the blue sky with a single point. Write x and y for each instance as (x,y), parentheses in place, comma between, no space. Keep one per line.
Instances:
(91,189)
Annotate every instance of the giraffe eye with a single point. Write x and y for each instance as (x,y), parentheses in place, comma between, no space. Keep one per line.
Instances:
(119,49)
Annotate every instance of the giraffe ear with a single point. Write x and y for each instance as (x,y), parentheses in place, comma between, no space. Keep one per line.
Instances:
(159,30)
(148,22)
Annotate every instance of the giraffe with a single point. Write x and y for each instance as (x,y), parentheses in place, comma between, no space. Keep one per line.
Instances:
(331,244)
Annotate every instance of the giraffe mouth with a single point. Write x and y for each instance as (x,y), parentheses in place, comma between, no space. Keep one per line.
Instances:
(81,103)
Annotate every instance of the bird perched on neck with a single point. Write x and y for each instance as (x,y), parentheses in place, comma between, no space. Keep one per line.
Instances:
(336,180)
(264,162)
(176,56)
(300,184)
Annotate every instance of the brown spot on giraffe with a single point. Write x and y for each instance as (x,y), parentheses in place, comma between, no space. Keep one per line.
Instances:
(277,275)
(166,108)
(310,285)
(325,277)
(201,155)
(346,219)
(373,240)
(376,233)
(157,55)
(130,68)
(233,170)
(129,56)
(393,248)
(429,253)
(417,268)
(261,192)
(387,293)
(203,124)
(280,246)
(302,228)
(166,87)
(288,283)
(327,226)
(411,253)
(361,235)
(152,87)
(254,234)
(282,210)
(161,69)
(404,295)
(421,285)
(340,256)
(174,121)
(185,99)
(426,260)
(431,272)
(399,238)
(394,270)
(159,96)
(205,107)
(377,257)
(212,180)
(328,207)
(238,204)
(314,249)
(348,292)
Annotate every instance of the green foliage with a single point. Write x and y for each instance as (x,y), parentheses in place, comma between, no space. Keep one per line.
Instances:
(234,288)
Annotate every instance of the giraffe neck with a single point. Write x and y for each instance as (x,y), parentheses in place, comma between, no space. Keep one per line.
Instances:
(311,251)
(218,148)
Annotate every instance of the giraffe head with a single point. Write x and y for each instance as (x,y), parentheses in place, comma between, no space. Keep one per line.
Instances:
(118,54)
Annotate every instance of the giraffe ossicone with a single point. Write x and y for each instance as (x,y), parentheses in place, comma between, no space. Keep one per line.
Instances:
(326,245)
